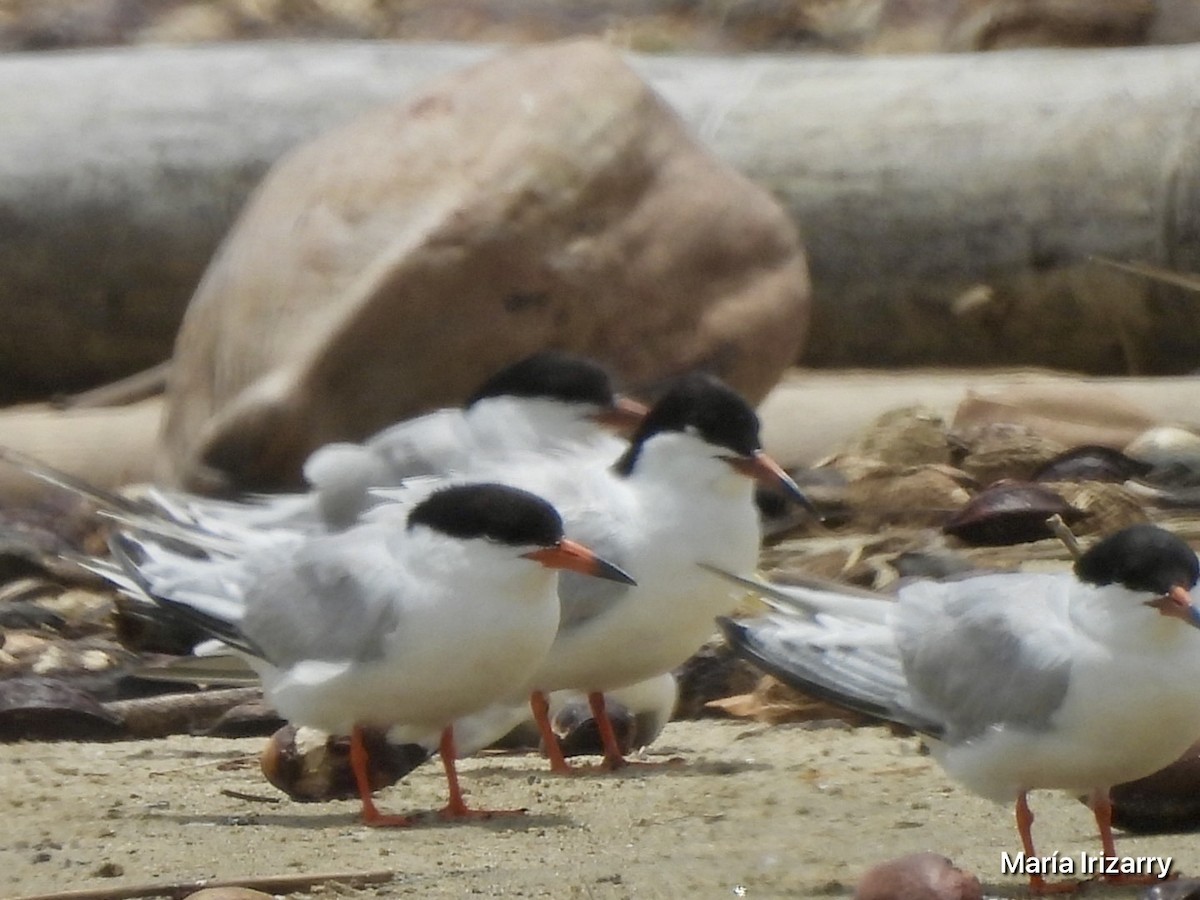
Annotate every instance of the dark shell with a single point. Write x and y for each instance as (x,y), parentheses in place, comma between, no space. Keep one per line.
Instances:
(1167,801)
(1010,512)
(314,772)
(1091,462)
(578,734)
(49,709)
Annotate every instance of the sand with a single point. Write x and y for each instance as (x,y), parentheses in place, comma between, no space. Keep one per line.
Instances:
(755,811)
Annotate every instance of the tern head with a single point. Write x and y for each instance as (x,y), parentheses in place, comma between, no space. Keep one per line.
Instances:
(1146,559)
(563,378)
(509,517)
(708,410)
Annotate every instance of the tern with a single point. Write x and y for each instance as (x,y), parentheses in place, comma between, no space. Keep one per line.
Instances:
(680,494)
(551,403)
(399,625)
(1019,681)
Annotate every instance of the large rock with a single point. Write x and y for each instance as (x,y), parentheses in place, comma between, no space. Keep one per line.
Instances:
(543,198)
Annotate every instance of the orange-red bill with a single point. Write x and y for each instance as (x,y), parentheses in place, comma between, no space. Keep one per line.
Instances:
(766,471)
(575,557)
(1177,603)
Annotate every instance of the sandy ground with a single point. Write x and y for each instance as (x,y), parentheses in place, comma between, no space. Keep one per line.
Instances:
(753,811)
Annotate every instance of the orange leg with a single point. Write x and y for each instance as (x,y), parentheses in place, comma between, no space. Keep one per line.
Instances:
(613,757)
(1037,884)
(1102,809)
(1101,806)
(456,807)
(541,715)
(360,765)
(1025,829)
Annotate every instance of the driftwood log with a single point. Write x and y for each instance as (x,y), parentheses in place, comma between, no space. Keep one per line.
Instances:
(808,416)
(811,414)
(950,203)
(110,447)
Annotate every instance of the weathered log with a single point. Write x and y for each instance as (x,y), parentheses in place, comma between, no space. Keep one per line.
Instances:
(809,414)
(950,203)
(110,447)
(812,414)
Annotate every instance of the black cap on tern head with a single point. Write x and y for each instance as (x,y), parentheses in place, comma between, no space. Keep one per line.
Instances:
(495,512)
(704,405)
(1141,558)
(553,375)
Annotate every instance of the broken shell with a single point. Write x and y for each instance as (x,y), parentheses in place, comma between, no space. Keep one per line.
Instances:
(911,436)
(918,495)
(638,714)
(49,709)
(1010,512)
(1172,453)
(578,734)
(311,766)
(994,450)
(1107,507)
(1165,445)
(1091,462)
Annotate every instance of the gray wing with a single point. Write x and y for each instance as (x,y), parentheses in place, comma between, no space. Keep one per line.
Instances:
(986,651)
(584,598)
(333,599)
(597,509)
(598,512)
(864,675)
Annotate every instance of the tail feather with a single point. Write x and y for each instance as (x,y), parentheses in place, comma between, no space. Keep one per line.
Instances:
(234,519)
(130,553)
(865,681)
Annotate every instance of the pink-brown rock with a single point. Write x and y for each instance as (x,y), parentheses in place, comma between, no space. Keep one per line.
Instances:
(544,198)
(229,893)
(918,876)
